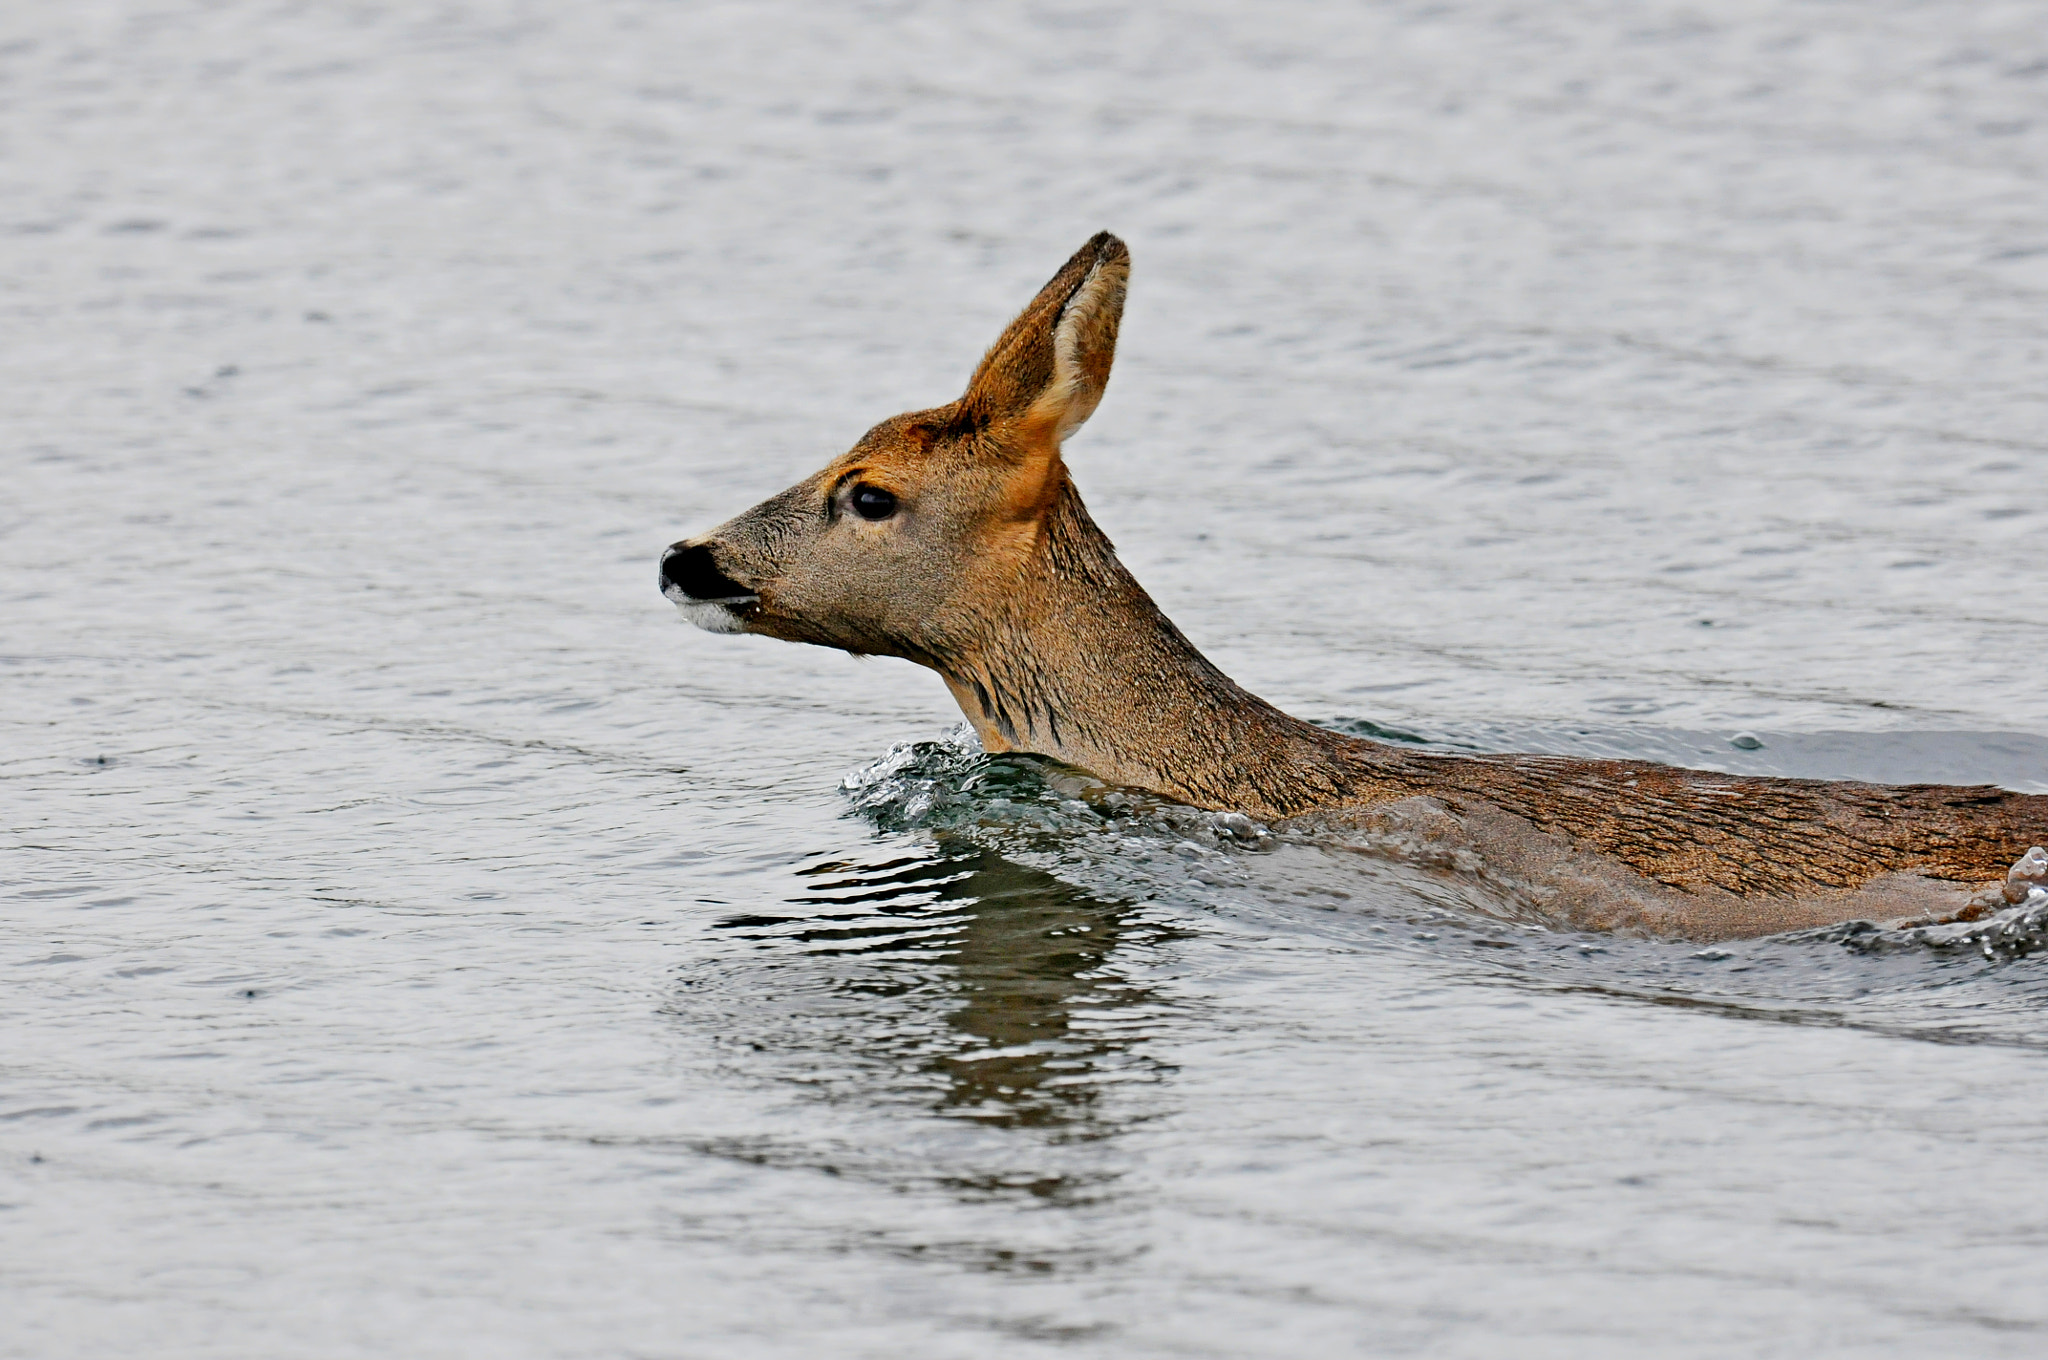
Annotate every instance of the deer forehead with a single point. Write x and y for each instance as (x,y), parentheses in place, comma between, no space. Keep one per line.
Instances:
(925,451)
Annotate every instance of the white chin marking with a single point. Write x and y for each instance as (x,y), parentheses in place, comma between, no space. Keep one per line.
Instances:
(709,615)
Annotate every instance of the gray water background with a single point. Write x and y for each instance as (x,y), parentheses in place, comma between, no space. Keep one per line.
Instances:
(416,941)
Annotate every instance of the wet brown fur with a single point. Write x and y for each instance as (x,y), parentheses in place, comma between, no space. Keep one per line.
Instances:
(993,574)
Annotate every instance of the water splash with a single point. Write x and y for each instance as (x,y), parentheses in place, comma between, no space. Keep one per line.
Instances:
(2018,929)
(951,786)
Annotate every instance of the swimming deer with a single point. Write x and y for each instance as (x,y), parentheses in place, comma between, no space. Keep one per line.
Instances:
(955,538)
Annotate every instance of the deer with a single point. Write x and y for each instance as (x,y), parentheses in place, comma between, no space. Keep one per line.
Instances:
(955,538)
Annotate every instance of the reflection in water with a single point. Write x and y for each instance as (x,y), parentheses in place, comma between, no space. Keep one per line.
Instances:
(986,990)
(963,1033)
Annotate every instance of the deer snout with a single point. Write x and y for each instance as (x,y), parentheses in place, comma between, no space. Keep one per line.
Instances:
(690,575)
(707,597)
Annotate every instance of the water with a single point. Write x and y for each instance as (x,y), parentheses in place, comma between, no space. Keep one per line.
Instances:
(419,942)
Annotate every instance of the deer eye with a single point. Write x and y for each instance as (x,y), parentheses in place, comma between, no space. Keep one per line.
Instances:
(871,502)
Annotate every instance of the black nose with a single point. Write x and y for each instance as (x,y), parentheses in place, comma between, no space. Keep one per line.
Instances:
(691,570)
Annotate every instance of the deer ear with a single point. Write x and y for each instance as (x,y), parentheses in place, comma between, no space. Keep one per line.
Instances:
(1049,368)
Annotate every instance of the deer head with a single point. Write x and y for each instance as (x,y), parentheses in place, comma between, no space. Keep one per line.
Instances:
(914,542)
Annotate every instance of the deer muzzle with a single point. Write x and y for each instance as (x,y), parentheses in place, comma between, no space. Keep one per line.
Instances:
(692,580)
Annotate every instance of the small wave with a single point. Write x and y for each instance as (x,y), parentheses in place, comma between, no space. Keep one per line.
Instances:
(1366,727)
(952,785)
(2010,934)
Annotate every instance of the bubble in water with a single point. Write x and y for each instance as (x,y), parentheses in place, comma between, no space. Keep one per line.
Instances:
(2028,875)
(1237,826)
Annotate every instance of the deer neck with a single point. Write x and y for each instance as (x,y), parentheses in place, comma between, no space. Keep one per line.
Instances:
(1079,664)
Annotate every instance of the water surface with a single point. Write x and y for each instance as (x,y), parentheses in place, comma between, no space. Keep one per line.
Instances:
(420,942)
